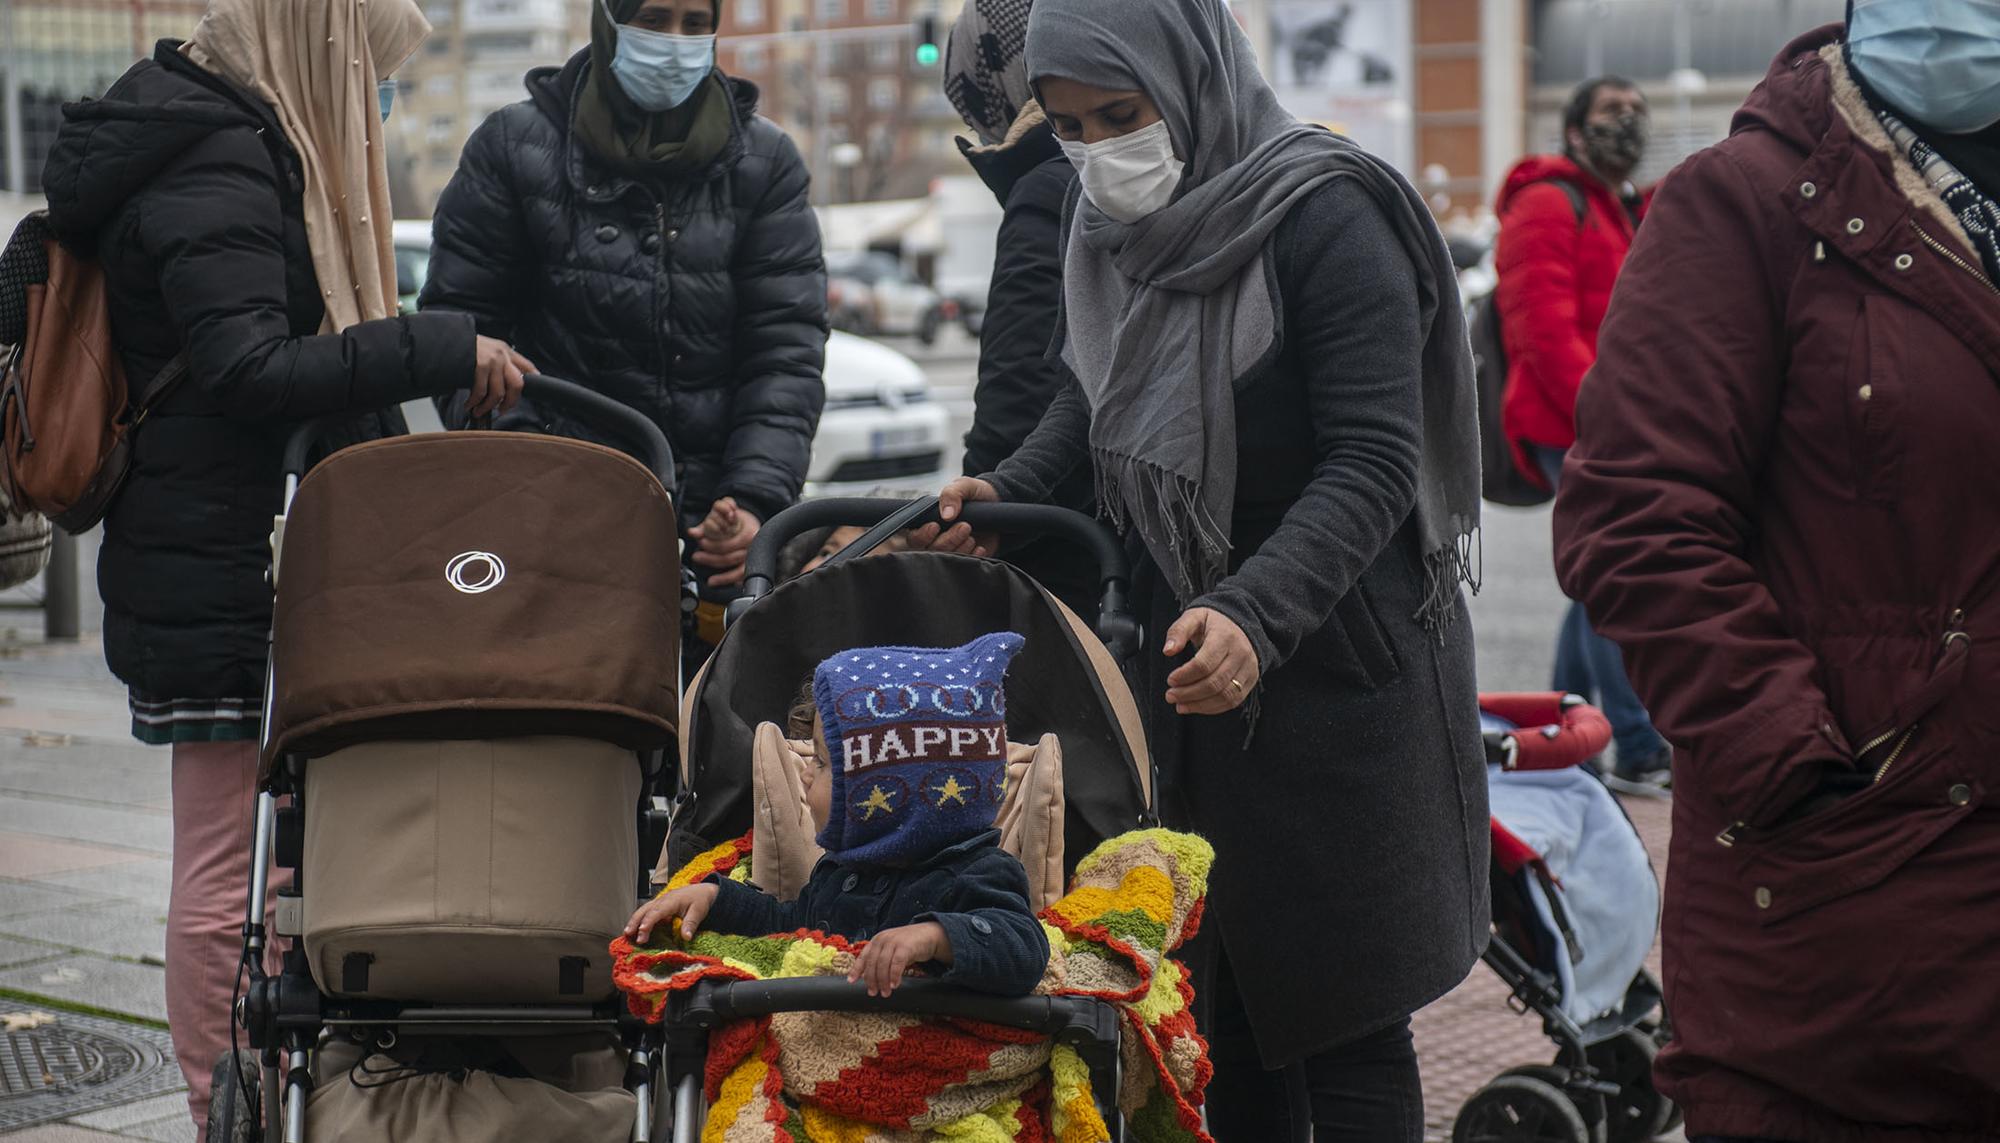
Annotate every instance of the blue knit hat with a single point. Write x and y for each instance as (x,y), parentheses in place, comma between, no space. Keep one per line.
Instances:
(918,741)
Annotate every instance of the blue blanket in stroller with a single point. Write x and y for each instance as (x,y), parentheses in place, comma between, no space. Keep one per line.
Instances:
(1603,877)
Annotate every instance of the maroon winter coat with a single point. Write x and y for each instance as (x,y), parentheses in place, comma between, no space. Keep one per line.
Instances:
(1785,506)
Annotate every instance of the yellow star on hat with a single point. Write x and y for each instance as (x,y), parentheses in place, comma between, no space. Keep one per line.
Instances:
(950,791)
(878,799)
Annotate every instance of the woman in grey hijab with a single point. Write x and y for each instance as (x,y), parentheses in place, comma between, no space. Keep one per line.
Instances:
(1269,374)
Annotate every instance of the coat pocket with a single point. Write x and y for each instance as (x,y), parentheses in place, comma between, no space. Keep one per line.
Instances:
(1876,393)
(1858,843)
(1353,645)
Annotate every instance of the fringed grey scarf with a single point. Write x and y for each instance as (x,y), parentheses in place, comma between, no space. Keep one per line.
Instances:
(1164,319)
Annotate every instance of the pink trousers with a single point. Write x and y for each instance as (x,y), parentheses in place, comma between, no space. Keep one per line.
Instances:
(214,793)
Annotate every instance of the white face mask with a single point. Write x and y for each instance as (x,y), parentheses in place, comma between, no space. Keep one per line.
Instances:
(1131,176)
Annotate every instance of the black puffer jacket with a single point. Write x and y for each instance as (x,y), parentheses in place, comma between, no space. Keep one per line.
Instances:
(702,303)
(1017,380)
(185,188)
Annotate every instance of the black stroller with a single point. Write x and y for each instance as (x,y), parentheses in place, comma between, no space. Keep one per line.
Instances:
(1066,682)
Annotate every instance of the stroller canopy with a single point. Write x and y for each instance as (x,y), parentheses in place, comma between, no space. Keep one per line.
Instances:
(1064,682)
(477,585)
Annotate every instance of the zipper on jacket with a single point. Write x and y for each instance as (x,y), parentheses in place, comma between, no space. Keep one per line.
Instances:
(660,342)
(1902,744)
(1953,258)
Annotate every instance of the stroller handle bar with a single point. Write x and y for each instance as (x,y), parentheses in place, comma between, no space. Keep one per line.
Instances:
(1074,1020)
(632,428)
(884,518)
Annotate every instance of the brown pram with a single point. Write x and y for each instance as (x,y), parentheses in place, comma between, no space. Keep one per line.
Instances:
(473,682)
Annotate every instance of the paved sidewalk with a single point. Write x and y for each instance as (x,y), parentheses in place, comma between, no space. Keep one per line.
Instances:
(84,874)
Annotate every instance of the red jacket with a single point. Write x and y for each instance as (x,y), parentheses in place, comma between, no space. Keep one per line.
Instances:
(1784,505)
(1555,282)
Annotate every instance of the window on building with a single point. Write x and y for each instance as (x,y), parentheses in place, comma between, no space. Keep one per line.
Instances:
(441,85)
(438,45)
(834,96)
(441,14)
(752,59)
(832,11)
(881,9)
(883,94)
(748,13)
(885,55)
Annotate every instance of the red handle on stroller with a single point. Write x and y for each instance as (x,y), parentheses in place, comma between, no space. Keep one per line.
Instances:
(1555,731)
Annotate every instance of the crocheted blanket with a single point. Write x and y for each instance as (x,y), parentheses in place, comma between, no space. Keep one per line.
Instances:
(822,1077)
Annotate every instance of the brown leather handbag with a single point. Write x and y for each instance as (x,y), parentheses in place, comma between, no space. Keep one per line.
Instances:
(66,413)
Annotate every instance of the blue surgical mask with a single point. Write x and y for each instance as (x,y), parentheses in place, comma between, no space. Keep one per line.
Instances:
(660,71)
(1934,61)
(385,97)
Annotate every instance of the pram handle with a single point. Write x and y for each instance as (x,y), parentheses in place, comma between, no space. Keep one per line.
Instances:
(622,421)
(1115,623)
(1074,1020)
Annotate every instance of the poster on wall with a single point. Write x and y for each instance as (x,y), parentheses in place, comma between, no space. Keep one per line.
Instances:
(1346,64)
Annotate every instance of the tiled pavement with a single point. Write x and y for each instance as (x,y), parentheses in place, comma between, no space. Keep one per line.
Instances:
(84,850)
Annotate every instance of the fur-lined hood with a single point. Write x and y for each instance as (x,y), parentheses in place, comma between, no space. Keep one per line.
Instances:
(1808,90)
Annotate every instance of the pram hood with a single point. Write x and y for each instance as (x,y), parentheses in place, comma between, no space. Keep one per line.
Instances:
(476,585)
(1063,682)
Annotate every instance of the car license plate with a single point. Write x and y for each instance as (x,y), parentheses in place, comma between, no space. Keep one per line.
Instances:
(884,441)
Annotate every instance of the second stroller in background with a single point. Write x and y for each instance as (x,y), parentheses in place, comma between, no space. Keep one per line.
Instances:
(1575,912)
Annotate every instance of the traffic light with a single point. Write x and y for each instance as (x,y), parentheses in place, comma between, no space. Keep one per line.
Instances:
(928,52)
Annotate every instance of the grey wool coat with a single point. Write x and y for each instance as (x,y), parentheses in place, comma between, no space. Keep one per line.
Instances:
(1349,818)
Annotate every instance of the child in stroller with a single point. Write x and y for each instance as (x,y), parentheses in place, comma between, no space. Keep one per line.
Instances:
(1575,911)
(913,863)
(934,1053)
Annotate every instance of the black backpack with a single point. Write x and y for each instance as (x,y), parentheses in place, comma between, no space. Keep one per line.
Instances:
(1501,481)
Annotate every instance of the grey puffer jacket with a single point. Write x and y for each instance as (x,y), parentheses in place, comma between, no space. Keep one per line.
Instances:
(700,302)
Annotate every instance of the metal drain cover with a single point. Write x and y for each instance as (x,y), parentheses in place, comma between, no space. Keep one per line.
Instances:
(54,1065)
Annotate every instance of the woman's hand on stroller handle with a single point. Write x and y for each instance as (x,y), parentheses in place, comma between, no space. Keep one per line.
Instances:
(891,956)
(958,539)
(498,375)
(690,904)
(1224,671)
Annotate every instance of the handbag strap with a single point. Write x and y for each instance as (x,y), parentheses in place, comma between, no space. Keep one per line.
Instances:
(144,400)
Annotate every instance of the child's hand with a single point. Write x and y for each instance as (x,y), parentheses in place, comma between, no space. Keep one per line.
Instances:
(690,903)
(895,952)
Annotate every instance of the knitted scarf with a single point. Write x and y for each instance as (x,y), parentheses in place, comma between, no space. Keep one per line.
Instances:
(677,142)
(884,1078)
(1976,211)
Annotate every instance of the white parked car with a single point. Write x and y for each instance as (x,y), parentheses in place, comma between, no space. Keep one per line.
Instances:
(881,430)
(902,305)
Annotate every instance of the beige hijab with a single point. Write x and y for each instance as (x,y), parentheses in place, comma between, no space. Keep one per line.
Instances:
(316,62)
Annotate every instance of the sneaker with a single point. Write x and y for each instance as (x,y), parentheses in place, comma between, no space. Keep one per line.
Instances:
(1648,777)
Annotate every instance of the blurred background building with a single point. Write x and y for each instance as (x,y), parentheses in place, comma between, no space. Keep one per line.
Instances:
(1451,90)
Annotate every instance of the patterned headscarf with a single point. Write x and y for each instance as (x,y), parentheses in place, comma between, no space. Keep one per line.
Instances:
(986,66)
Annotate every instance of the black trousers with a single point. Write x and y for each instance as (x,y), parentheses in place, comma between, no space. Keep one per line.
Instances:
(1365,1091)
